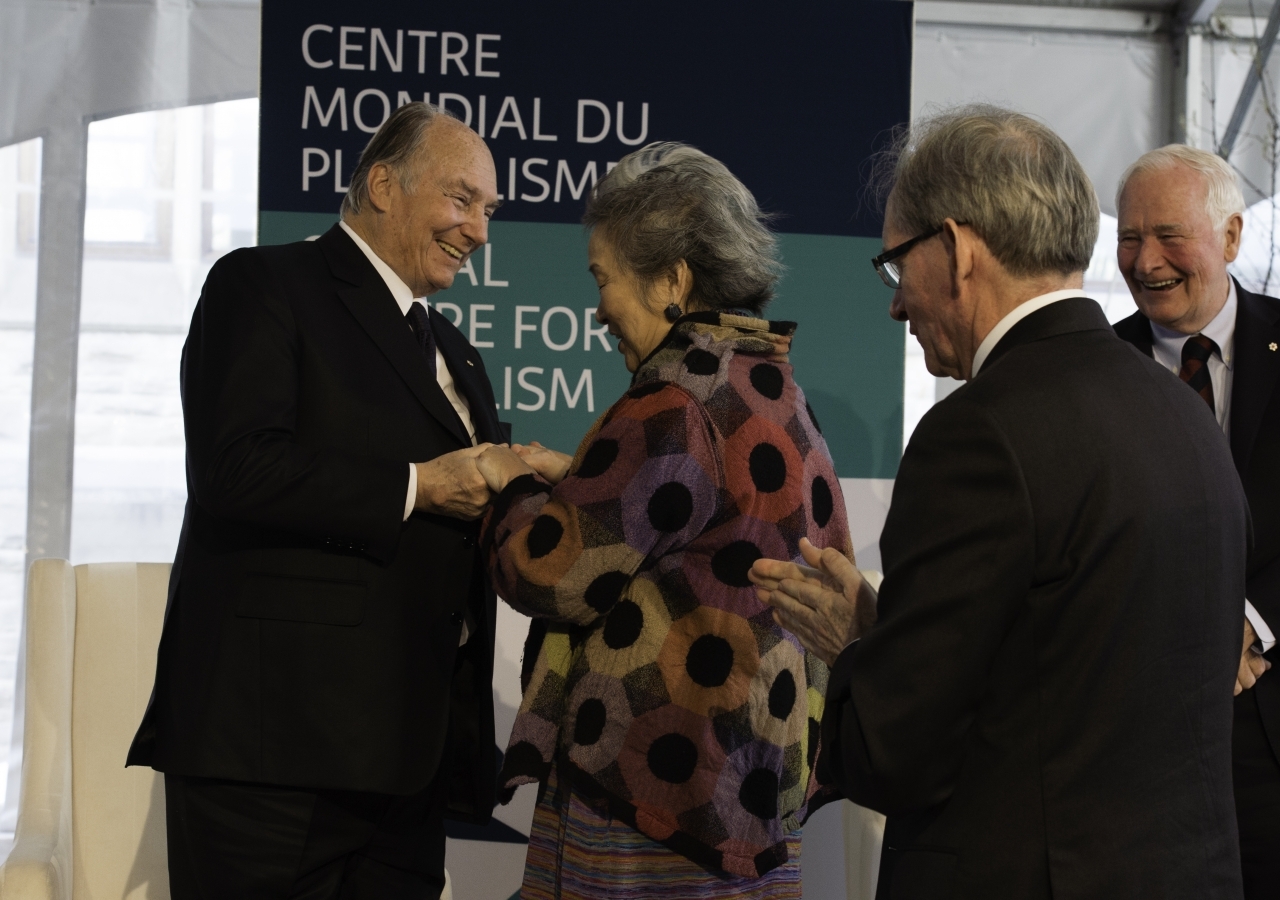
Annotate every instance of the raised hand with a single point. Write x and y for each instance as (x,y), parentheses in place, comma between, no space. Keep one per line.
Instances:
(550,464)
(827,605)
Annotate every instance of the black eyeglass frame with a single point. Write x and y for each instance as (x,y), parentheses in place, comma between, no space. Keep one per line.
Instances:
(891,277)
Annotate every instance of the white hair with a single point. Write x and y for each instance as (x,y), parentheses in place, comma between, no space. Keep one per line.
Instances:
(1224,198)
(1009,177)
(669,202)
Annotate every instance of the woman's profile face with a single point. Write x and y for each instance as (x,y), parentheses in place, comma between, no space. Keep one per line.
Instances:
(638,327)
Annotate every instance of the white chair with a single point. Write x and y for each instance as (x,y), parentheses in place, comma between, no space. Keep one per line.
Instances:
(88,827)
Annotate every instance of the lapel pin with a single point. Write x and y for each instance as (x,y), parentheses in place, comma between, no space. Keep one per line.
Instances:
(1273,346)
(470,363)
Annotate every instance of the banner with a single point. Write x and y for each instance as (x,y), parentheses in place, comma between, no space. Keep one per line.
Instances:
(794,100)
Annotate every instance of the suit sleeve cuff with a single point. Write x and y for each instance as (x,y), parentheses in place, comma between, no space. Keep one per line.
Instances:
(1264,633)
(411,499)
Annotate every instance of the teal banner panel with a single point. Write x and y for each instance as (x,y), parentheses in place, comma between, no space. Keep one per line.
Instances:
(527,302)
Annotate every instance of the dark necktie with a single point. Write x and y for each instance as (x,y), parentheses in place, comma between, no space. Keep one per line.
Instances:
(1195,366)
(420,322)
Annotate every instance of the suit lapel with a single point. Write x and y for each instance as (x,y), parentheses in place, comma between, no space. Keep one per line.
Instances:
(1257,367)
(367,298)
(1137,331)
(468,377)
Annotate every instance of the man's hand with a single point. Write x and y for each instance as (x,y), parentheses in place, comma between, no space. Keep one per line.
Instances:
(827,606)
(1252,664)
(499,464)
(451,485)
(550,464)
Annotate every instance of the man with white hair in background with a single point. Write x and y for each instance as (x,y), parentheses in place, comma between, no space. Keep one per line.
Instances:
(1180,222)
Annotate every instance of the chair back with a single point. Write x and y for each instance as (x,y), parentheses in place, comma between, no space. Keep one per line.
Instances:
(118,814)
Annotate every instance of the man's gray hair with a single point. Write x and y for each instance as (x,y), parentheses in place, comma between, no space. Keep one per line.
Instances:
(1005,175)
(396,145)
(1225,199)
(667,202)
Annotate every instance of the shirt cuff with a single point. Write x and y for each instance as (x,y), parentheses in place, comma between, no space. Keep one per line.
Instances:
(412,498)
(1265,637)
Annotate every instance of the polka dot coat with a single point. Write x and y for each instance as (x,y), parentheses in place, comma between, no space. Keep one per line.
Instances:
(653,673)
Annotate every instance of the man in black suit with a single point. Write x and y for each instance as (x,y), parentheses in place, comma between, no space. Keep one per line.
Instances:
(1043,707)
(1179,226)
(322,690)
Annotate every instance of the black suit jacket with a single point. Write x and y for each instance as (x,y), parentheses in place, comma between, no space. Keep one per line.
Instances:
(1255,449)
(311,636)
(1044,707)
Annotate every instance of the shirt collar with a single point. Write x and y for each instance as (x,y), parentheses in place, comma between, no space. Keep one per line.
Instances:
(1016,315)
(399,290)
(1222,331)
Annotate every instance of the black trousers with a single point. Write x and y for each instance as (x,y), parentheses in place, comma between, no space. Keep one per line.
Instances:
(1256,773)
(232,840)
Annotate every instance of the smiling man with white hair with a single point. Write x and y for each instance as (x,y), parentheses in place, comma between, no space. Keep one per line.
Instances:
(323,688)
(1180,222)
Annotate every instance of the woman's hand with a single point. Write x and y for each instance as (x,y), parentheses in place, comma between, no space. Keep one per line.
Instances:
(499,464)
(550,464)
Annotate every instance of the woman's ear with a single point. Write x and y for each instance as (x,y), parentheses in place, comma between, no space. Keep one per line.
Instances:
(677,286)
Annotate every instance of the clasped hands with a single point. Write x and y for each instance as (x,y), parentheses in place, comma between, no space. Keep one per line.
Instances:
(827,604)
(461,484)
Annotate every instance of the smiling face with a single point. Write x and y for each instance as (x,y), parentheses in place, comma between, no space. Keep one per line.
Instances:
(1172,255)
(632,319)
(924,299)
(427,236)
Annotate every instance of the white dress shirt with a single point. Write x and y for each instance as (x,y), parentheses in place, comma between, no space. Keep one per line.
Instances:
(1166,347)
(404,299)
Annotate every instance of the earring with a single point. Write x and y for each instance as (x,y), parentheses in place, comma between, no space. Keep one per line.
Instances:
(673,312)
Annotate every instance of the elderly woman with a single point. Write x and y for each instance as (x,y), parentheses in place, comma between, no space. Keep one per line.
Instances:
(671,721)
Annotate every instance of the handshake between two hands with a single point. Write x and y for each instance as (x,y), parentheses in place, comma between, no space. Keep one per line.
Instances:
(461,484)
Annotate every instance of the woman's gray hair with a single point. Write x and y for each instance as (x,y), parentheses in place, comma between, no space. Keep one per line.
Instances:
(667,202)
(1224,200)
(1005,175)
(396,145)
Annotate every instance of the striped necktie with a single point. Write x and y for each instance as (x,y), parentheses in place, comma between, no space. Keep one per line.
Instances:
(1195,366)
(420,322)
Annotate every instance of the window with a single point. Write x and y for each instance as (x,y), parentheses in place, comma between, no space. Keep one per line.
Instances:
(1258,265)
(1103,281)
(19,207)
(168,192)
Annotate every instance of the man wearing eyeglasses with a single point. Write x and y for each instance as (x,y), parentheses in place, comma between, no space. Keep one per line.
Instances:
(1043,705)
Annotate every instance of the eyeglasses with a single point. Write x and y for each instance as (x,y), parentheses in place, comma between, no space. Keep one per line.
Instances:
(889,271)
